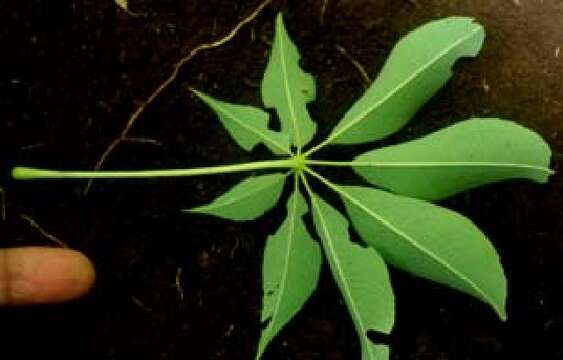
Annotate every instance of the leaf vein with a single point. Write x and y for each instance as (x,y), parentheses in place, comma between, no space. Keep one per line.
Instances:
(238,198)
(405,236)
(287,90)
(402,85)
(256,132)
(330,247)
(452,164)
(291,236)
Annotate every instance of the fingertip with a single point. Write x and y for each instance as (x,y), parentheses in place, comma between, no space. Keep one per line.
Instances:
(36,275)
(80,274)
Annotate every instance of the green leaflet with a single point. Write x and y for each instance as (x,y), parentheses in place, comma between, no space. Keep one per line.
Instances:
(288,89)
(292,262)
(428,241)
(247,200)
(247,125)
(361,276)
(460,157)
(420,64)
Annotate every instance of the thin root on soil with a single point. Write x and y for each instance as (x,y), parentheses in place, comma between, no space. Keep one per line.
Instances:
(355,63)
(178,282)
(124,135)
(42,231)
(141,304)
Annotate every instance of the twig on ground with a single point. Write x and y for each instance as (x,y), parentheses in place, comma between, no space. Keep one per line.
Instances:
(143,141)
(124,5)
(43,232)
(124,135)
(31,147)
(250,83)
(140,304)
(235,248)
(178,282)
(356,64)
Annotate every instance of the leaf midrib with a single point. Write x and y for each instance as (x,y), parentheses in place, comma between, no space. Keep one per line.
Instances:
(287,90)
(253,130)
(329,244)
(403,84)
(283,280)
(239,198)
(409,240)
(468,164)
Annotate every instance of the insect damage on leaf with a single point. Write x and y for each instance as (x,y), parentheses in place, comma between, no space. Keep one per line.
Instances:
(292,263)
(288,89)
(399,224)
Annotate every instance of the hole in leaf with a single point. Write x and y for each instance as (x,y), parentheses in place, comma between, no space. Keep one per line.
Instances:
(265,323)
(379,337)
(274,123)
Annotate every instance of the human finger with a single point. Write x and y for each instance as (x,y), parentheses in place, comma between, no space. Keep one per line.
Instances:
(39,275)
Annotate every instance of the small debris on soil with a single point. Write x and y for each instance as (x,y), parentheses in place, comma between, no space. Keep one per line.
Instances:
(42,231)
(141,304)
(178,282)
(363,73)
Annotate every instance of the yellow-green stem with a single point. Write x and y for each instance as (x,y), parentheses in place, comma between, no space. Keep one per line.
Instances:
(27,173)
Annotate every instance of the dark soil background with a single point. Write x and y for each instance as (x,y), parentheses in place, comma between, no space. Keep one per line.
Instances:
(73,71)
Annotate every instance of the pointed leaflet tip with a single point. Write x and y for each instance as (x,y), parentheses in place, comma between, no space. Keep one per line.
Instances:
(419,65)
(457,158)
(247,125)
(292,262)
(288,89)
(428,241)
(195,91)
(361,276)
(247,200)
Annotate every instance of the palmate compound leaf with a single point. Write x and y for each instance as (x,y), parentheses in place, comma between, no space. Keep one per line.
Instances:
(419,65)
(288,89)
(460,157)
(247,125)
(292,262)
(361,276)
(247,200)
(428,241)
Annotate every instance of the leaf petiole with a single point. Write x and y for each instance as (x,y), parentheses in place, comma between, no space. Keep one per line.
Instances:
(27,173)
(319,146)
